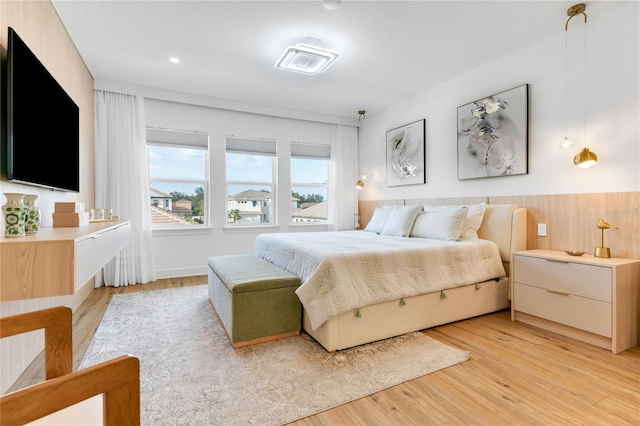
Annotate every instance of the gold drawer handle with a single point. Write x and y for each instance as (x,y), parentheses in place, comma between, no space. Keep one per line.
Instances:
(556,260)
(558,292)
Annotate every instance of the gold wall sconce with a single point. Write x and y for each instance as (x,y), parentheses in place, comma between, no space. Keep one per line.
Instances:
(603,251)
(360,182)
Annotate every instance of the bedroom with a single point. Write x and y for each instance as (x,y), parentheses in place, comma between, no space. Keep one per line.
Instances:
(551,174)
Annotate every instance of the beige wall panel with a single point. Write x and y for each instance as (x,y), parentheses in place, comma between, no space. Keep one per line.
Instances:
(570,218)
(571,221)
(39,26)
(449,201)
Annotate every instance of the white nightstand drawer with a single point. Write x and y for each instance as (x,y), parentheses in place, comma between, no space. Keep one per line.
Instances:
(575,311)
(590,281)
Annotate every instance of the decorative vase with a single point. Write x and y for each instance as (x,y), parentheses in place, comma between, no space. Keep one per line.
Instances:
(14,215)
(32,221)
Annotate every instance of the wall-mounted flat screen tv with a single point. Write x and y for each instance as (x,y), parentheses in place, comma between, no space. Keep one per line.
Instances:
(43,124)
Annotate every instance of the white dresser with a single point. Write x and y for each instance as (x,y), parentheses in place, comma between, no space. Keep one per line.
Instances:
(584,297)
(58,261)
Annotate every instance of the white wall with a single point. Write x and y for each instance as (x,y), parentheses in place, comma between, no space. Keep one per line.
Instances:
(612,116)
(183,253)
(613,109)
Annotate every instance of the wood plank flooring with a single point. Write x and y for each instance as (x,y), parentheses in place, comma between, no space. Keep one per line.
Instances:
(517,375)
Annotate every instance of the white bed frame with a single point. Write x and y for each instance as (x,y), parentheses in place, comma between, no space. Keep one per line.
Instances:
(505,224)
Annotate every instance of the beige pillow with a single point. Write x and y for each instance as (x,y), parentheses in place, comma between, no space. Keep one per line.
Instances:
(401,221)
(475,214)
(378,220)
(440,224)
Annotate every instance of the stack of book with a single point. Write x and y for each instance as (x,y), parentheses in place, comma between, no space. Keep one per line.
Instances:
(70,214)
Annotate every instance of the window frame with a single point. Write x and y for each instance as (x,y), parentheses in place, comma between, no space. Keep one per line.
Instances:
(308,151)
(182,139)
(253,147)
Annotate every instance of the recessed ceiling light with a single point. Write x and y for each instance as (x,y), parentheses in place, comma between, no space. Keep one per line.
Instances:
(174,60)
(332,4)
(307,58)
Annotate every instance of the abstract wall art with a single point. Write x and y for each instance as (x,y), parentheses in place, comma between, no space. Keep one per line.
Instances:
(406,154)
(493,135)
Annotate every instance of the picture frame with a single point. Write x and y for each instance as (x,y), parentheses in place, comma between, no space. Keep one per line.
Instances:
(493,135)
(406,159)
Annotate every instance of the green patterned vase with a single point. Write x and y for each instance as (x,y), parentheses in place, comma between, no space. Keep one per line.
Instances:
(32,221)
(15,213)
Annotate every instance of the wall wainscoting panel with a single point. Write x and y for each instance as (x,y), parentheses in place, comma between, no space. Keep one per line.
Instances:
(571,219)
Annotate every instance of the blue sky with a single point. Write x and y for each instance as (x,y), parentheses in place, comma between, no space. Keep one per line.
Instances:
(172,163)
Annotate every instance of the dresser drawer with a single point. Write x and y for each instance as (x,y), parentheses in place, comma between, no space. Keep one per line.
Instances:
(90,255)
(580,312)
(590,281)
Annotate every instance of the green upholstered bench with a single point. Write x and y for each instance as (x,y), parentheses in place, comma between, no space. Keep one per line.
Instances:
(254,299)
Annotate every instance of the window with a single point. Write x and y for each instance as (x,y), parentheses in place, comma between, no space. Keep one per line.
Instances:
(178,177)
(309,183)
(250,181)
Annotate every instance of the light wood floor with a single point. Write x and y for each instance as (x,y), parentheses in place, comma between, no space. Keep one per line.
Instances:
(517,374)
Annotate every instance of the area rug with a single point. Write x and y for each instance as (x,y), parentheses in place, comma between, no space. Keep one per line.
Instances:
(190,374)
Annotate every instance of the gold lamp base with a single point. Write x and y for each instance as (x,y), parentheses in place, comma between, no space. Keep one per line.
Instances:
(602,252)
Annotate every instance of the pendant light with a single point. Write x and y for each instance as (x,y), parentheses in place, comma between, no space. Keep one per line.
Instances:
(584,158)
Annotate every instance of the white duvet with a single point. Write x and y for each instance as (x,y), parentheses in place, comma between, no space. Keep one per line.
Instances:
(345,270)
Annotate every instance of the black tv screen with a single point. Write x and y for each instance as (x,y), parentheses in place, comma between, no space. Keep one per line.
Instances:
(43,124)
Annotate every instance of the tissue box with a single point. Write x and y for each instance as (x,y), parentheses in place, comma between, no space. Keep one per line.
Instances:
(62,220)
(69,207)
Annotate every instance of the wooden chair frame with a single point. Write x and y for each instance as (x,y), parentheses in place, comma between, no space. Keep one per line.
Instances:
(117,379)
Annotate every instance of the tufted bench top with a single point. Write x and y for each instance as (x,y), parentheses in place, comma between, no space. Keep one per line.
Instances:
(247,273)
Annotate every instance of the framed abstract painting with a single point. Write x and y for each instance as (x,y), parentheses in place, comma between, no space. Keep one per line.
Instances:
(493,135)
(406,154)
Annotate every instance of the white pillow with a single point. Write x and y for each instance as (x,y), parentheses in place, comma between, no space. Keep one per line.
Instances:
(378,220)
(440,224)
(474,219)
(401,221)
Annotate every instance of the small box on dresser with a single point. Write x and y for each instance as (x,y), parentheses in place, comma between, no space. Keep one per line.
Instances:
(68,207)
(62,220)
(584,297)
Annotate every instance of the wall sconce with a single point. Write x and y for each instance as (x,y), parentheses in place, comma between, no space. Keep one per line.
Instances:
(585,159)
(360,182)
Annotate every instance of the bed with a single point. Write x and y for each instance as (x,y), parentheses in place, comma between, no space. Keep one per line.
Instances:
(366,285)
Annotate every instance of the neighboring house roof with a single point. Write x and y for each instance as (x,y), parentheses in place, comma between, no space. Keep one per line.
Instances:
(251,195)
(317,211)
(307,205)
(179,209)
(157,193)
(163,217)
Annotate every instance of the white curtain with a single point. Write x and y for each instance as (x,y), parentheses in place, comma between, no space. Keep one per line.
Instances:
(344,175)
(122,183)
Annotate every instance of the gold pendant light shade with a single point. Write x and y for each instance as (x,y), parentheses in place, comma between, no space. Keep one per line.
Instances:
(585,159)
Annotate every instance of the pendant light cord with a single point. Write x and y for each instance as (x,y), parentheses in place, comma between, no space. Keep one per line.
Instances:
(566,95)
(585,80)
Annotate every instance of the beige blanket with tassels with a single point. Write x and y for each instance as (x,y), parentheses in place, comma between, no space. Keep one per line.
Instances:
(345,270)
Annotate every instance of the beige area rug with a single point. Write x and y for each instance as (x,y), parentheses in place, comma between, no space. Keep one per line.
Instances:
(190,374)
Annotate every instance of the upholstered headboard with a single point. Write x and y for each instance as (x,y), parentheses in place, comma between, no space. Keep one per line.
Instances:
(506,225)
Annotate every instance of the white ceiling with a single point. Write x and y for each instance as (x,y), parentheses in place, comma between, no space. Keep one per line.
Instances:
(390,50)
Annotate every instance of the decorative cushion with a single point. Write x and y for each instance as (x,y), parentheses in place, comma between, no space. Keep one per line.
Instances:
(401,221)
(440,224)
(475,214)
(378,220)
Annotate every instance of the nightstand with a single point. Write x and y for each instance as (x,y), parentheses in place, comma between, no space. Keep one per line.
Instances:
(584,297)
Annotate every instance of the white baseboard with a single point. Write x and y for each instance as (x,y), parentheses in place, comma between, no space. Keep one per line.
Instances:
(181,272)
